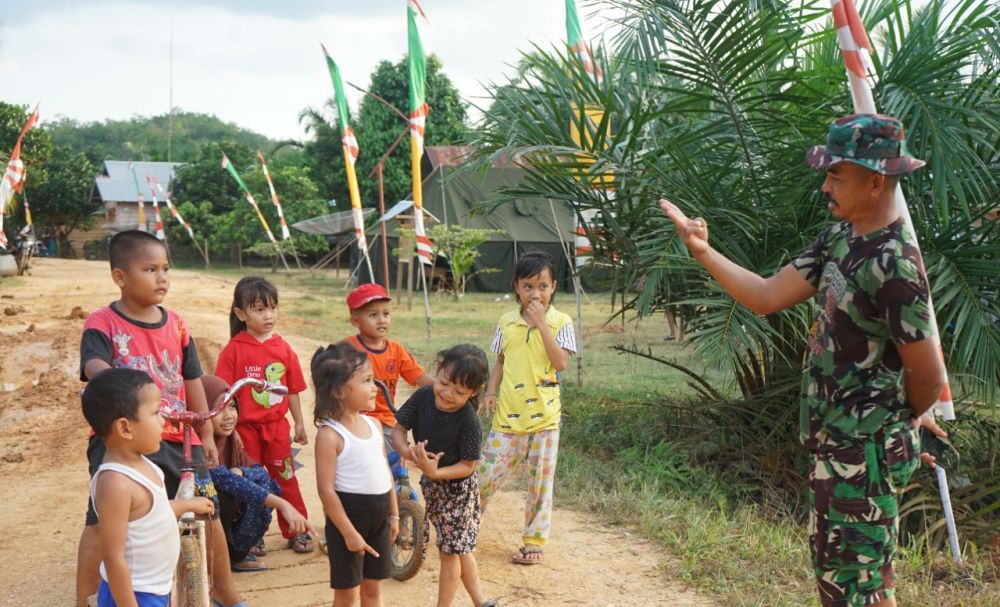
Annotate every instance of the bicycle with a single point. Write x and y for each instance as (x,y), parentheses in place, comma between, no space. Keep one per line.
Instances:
(191,585)
(407,552)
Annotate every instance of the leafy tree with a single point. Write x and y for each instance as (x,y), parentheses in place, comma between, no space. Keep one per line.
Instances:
(63,201)
(146,138)
(377,127)
(212,202)
(460,246)
(712,105)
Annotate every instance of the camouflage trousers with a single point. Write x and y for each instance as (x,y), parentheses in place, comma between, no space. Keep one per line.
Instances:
(854,518)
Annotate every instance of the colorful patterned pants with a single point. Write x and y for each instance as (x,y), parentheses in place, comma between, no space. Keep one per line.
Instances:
(854,520)
(504,451)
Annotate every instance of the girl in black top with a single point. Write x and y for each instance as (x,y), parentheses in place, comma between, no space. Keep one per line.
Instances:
(447,435)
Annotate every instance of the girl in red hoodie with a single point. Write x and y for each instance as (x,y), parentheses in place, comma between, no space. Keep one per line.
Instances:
(256,350)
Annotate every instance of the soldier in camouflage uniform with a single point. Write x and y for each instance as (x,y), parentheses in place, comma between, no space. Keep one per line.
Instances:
(859,410)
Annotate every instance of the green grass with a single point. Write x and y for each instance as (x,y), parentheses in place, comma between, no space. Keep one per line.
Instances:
(626,474)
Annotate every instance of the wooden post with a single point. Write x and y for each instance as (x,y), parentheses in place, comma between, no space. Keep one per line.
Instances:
(208,264)
(239,255)
(385,243)
(409,286)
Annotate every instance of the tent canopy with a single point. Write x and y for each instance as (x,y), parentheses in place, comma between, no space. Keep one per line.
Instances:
(455,195)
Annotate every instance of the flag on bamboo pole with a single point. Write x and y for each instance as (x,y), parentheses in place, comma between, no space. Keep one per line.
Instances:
(592,116)
(13,178)
(285,234)
(141,200)
(350,144)
(173,210)
(418,122)
(578,44)
(856,49)
(227,165)
(156,211)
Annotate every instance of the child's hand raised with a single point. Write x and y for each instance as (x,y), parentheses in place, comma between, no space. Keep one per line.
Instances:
(427,462)
(534,314)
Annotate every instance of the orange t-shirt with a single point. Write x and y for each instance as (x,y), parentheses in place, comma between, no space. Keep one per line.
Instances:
(388,365)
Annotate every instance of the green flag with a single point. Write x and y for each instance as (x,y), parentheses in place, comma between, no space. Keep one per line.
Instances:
(577,45)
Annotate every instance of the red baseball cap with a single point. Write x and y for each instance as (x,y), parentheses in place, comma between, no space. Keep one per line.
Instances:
(366,294)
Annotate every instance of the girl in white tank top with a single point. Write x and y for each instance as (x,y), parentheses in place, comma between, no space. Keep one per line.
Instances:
(352,475)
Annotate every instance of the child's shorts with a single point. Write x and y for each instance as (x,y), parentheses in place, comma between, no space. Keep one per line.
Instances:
(170,459)
(854,519)
(370,516)
(453,507)
(144,599)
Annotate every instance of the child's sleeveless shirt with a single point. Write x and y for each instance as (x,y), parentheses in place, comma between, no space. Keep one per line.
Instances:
(152,542)
(361,465)
(529,392)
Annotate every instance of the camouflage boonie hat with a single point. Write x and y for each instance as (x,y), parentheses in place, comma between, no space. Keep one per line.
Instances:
(873,141)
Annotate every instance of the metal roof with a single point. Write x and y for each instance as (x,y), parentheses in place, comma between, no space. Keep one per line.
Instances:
(116,183)
(457,155)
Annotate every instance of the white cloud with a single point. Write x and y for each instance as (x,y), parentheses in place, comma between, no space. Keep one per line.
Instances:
(111,59)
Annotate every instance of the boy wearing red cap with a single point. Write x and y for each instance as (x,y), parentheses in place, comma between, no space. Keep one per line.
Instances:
(371,314)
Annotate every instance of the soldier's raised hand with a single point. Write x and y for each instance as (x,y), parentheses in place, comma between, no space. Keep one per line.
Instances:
(693,232)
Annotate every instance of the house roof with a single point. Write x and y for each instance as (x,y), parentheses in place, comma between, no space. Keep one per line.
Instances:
(116,183)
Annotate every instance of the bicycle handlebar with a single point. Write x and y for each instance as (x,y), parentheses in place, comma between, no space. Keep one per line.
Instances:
(194,417)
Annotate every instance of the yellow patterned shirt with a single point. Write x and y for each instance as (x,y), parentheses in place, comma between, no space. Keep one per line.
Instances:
(529,392)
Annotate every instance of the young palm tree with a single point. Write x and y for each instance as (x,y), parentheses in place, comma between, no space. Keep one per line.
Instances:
(712,104)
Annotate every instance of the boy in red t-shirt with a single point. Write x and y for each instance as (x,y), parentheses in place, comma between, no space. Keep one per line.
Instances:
(370,313)
(136,332)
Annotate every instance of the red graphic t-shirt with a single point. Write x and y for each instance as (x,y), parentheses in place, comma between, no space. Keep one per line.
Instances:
(162,349)
(273,360)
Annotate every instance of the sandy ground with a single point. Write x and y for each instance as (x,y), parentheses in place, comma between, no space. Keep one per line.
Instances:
(44,473)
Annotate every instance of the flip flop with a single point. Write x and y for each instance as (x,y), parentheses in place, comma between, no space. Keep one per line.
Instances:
(525,553)
(248,565)
(490,603)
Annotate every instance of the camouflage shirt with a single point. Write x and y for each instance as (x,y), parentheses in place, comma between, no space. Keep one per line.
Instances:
(871,295)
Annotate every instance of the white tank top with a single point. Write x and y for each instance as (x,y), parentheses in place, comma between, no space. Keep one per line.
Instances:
(361,466)
(152,542)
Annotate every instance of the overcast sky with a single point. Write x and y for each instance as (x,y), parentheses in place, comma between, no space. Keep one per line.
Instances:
(253,62)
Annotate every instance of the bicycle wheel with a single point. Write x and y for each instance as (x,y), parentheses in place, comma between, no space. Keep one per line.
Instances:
(408,550)
(192,583)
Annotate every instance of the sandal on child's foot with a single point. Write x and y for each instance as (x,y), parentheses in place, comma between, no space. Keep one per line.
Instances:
(259,549)
(301,543)
(218,603)
(249,565)
(528,555)
(490,603)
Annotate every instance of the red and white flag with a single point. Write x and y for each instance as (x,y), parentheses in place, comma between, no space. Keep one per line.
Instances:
(13,178)
(285,234)
(156,211)
(856,49)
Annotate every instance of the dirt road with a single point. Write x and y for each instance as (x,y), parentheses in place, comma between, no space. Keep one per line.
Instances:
(44,473)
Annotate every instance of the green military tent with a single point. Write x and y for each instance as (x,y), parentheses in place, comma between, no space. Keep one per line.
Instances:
(452,194)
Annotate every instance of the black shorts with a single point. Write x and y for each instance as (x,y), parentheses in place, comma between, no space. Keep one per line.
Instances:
(370,516)
(170,459)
